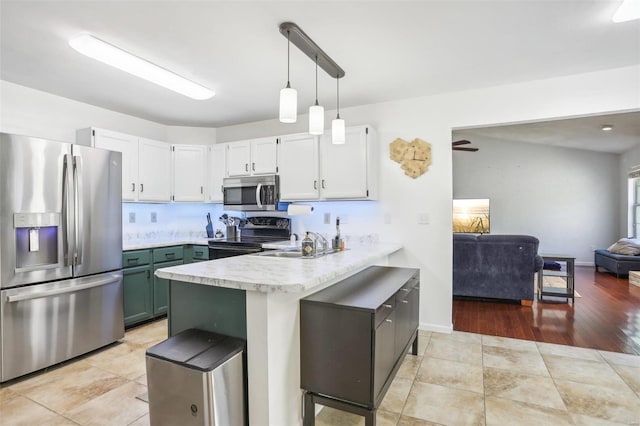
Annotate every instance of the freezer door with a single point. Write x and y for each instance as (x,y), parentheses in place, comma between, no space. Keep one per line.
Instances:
(44,324)
(97,180)
(33,215)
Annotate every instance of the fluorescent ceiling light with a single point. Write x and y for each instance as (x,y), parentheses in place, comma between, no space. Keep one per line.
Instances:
(628,11)
(111,55)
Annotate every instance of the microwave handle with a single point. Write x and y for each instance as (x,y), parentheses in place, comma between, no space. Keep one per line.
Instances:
(259,195)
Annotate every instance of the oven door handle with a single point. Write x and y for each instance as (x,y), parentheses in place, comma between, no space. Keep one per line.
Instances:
(259,195)
(237,249)
(71,289)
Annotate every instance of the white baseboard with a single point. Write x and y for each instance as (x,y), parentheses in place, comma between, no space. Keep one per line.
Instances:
(436,327)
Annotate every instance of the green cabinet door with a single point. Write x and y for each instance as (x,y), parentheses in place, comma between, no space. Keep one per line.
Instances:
(138,294)
(161,288)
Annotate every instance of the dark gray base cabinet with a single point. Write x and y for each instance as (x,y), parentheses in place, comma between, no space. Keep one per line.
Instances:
(354,335)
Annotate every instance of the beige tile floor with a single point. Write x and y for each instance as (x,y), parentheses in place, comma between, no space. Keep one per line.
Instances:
(457,379)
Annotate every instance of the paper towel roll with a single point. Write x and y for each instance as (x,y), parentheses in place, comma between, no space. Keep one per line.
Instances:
(299,209)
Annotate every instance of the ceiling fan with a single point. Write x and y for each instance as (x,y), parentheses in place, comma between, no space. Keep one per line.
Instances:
(456,146)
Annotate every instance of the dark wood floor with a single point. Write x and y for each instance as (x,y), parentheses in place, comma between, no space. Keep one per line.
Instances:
(606,317)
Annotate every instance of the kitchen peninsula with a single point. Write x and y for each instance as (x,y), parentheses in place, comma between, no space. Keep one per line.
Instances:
(257,298)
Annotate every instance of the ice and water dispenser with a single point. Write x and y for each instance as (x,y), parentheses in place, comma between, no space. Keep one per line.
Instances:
(37,240)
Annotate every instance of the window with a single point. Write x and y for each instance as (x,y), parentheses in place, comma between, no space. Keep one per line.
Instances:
(634,204)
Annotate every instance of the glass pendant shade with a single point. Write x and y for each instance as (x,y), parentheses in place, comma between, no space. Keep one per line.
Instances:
(288,105)
(316,120)
(337,131)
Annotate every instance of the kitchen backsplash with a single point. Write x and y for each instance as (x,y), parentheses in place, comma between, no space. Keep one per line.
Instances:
(359,220)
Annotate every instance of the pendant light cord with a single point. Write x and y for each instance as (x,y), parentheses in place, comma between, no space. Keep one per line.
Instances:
(288,49)
(338,95)
(317,80)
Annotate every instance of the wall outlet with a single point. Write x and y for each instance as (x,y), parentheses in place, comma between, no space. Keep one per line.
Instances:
(132,217)
(423,218)
(327,218)
(154,217)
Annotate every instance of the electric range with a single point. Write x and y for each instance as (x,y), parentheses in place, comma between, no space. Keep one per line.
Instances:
(256,232)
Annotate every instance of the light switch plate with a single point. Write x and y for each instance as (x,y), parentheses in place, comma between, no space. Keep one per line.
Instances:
(154,217)
(423,218)
(327,218)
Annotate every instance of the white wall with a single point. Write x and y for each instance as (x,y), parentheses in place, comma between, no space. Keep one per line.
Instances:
(628,161)
(429,247)
(567,198)
(31,112)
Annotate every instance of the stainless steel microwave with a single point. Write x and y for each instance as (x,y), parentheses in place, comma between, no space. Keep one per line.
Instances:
(251,193)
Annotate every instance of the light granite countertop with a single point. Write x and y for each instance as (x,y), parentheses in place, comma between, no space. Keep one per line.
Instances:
(274,274)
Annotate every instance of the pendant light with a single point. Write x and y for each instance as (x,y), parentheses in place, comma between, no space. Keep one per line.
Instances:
(288,96)
(337,124)
(316,112)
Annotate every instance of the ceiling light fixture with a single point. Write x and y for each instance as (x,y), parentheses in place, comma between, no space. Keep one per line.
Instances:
(607,127)
(337,124)
(316,112)
(111,55)
(288,96)
(628,11)
(303,42)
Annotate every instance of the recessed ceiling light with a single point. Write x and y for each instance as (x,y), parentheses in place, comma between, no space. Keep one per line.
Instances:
(607,127)
(111,55)
(628,11)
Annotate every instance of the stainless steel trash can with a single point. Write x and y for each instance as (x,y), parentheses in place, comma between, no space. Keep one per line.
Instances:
(196,378)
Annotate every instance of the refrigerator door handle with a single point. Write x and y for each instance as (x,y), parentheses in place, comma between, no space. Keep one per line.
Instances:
(79,204)
(67,218)
(58,291)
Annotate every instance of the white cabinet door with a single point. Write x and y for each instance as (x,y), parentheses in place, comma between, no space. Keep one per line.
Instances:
(154,165)
(344,167)
(128,146)
(264,156)
(189,164)
(217,171)
(298,167)
(238,158)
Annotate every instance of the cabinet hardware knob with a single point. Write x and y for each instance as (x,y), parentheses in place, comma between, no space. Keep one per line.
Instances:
(253,166)
(388,320)
(133,187)
(322,183)
(202,190)
(142,187)
(405,290)
(315,184)
(405,301)
(246,167)
(222,188)
(388,306)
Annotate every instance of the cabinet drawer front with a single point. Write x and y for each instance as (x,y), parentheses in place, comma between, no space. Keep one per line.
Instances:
(200,253)
(167,254)
(383,311)
(136,258)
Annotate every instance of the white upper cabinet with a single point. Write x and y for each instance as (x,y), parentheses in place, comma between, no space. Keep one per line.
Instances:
(264,156)
(217,171)
(114,141)
(349,170)
(189,165)
(252,157)
(298,167)
(239,158)
(154,160)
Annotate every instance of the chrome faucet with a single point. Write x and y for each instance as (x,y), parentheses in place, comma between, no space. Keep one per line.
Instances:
(325,243)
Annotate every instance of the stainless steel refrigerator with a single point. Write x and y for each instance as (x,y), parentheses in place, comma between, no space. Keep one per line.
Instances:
(61,289)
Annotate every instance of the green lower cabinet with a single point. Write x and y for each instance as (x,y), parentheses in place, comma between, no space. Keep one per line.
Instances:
(138,294)
(161,288)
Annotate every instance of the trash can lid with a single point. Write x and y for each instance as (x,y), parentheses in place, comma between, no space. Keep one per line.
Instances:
(197,349)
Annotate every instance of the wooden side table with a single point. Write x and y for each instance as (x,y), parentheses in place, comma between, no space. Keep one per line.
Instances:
(568,274)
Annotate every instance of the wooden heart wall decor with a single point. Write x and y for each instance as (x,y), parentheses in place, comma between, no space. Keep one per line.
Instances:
(414,157)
